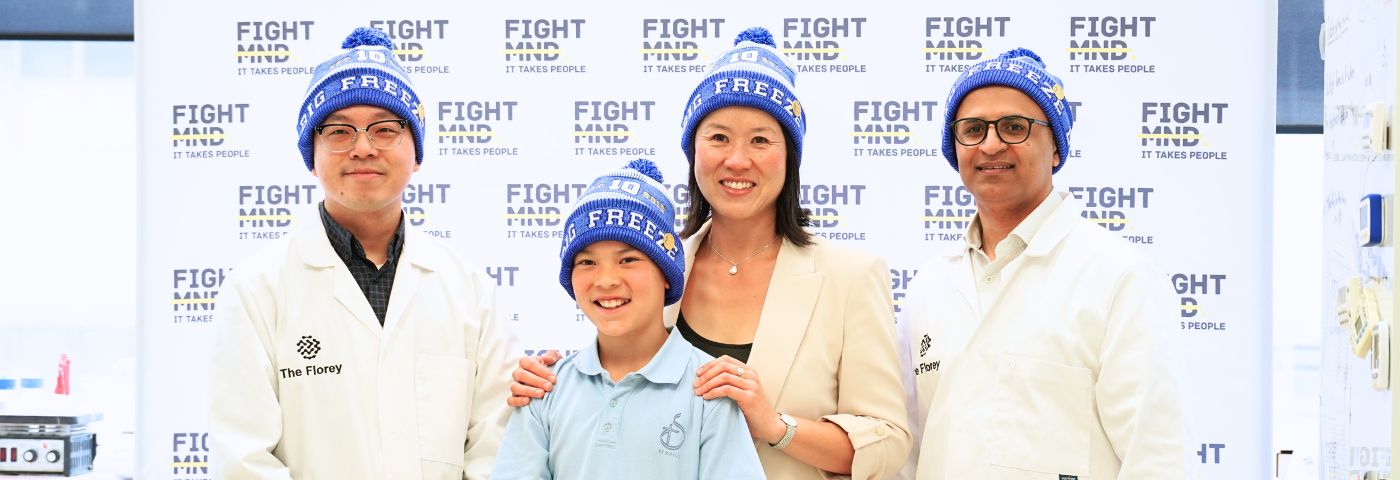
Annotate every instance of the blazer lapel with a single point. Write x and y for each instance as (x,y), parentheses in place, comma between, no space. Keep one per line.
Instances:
(792,296)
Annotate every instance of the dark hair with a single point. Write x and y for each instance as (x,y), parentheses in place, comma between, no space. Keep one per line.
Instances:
(791,217)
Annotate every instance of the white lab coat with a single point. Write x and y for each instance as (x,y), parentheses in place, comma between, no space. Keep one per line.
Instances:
(1063,377)
(308,385)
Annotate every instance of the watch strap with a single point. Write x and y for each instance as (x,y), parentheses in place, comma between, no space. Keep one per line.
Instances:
(787,436)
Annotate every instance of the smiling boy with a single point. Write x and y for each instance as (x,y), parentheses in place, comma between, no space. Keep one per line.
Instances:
(624,406)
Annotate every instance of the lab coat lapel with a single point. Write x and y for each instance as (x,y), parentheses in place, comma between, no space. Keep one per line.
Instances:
(349,294)
(417,259)
(959,322)
(963,282)
(316,251)
(1056,227)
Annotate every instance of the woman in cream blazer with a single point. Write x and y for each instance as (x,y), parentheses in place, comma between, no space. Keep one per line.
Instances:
(823,351)
(802,330)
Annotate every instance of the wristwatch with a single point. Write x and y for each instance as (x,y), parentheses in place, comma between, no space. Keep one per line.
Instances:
(787,436)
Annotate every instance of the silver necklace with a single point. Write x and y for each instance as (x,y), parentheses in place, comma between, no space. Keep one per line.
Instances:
(733,265)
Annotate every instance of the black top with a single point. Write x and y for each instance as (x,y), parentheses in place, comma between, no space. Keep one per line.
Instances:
(374,282)
(715,349)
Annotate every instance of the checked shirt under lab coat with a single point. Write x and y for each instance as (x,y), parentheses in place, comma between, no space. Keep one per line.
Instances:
(308,385)
(1063,376)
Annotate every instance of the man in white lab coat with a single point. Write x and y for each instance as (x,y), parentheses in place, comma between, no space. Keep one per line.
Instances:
(1037,344)
(356,347)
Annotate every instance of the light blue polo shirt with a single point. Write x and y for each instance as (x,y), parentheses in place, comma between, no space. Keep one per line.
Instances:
(650,425)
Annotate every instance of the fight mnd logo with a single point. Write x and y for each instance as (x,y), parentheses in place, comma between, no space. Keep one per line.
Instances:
(671,45)
(1105,44)
(951,44)
(1193,288)
(884,128)
(536,210)
(468,128)
(1181,130)
(194,292)
(265,211)
(420,200)
(200,131)
(265,48)
(536,46)
(826,203)
(815,43)
(413,40)
(189,459)
(1110,206)
(603,128)
(948,209)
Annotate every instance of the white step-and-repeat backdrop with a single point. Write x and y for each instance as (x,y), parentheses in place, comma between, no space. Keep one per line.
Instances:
(526,103)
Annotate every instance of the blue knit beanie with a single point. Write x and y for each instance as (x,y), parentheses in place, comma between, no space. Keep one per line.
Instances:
(1023,70)
(365,74)
(753,74)
(630,206)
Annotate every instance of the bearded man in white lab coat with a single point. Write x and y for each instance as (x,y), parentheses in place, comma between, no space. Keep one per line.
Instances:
(1037,344)
(356,347)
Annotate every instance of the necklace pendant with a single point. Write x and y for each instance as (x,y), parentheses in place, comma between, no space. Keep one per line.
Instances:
(733,269)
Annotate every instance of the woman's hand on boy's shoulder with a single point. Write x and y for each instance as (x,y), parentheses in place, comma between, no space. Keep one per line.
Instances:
(730,378)
(532,378)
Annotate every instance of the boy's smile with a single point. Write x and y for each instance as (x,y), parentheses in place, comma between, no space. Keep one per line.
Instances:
(620,289)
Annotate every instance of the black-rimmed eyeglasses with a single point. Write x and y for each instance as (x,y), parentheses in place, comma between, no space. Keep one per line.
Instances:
(1011,129)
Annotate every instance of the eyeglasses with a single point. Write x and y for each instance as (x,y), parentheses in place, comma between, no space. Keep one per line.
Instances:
(1011,129)
(384,135)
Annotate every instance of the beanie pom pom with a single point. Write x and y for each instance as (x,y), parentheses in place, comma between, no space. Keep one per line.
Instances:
(1023,52)
(757,35)
(646,167)
(368,37)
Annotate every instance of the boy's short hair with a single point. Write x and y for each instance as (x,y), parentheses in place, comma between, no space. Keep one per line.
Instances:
(628,205)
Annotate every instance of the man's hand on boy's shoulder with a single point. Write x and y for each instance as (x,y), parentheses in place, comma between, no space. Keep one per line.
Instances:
(532,378)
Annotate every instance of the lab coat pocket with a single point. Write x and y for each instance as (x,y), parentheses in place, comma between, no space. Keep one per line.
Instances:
(444,387)
(1044,414)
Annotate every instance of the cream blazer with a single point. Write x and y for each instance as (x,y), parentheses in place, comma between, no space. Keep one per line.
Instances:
(825,350)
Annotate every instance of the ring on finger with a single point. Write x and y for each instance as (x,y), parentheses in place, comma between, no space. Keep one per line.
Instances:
(741,371)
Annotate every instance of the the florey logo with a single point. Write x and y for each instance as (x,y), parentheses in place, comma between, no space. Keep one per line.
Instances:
(308,347)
